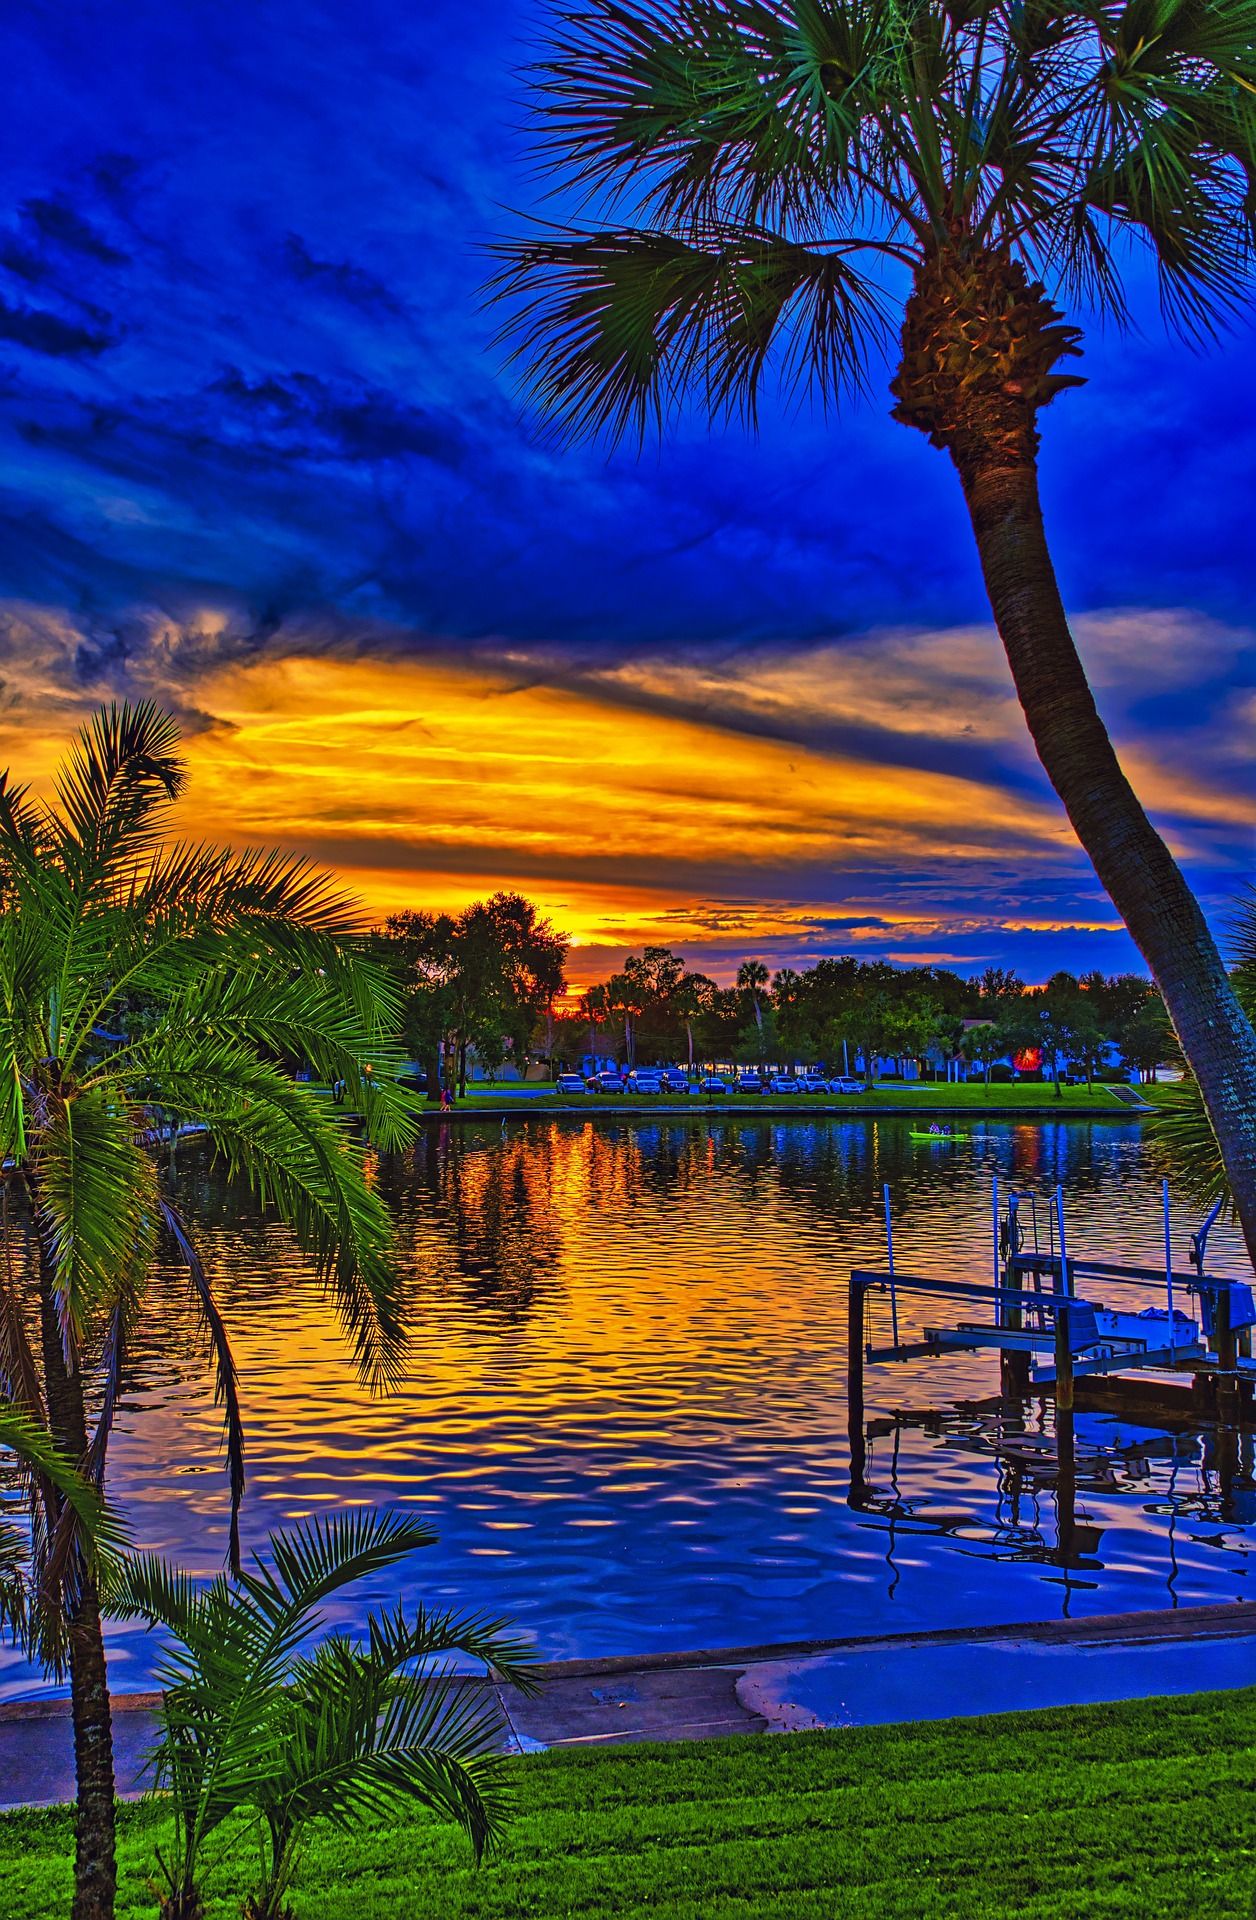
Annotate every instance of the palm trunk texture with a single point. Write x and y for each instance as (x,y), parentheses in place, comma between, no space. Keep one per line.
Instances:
(981,345)
(95,1865)
(1139,873)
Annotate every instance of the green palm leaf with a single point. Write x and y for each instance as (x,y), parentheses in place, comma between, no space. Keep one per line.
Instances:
(251,1722)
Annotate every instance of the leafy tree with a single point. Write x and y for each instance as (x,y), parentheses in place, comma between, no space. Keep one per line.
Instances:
(1088,1047)
(420,949)
(999,986)
(251,1725)
(1146,1039)
(239,961)
(766,173)
(982,1045)
(478,980)
(696,1004)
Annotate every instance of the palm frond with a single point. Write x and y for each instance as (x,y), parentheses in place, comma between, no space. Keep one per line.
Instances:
(282,1139)
(226,1381)
(340,1017)
(614,331)
(122,774)
(96,1204)
(39,1573)
(706,110)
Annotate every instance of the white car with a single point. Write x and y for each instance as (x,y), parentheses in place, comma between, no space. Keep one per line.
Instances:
(645,1080)
(570,1083)
(816,1083)
(711,1083)
(783,1083)
(844,1085)
(749,1083)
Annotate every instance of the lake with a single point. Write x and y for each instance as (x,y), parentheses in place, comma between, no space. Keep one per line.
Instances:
(625,1409)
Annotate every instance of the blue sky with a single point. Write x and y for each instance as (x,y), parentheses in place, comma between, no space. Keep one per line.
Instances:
(250,411)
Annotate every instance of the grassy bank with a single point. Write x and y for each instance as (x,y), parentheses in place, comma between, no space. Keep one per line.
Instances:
(1142,1810)
(930,1097)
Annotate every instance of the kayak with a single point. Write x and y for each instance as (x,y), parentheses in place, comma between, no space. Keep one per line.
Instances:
(934,1138)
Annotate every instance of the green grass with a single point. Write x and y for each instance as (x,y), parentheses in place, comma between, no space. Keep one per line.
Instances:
(1144,1810)
(1030,1096)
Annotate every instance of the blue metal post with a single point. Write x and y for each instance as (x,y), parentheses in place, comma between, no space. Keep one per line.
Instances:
(1168,1260)
(1059,1215)
(998,1278)
(889,1244)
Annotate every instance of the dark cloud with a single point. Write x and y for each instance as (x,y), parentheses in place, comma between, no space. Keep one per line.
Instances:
(60,224)
(43,332)
(346,420)
(339,278)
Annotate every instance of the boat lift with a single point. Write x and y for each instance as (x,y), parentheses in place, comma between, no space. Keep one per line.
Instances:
(1048,1316)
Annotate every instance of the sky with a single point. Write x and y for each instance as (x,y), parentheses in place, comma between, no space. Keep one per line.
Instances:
(261,459)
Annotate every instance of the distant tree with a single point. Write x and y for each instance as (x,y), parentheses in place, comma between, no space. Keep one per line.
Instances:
(998,986)
(982,1045)
(752,979)
(1146,1039)
(595,1008)
(420,950)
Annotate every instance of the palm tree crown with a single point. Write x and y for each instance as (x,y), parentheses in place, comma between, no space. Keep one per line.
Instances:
(778,159)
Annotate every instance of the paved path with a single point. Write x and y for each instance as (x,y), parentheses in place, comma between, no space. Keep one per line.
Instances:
(780,1688)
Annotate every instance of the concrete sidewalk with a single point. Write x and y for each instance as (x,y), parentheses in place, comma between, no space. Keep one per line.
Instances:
(785,1687)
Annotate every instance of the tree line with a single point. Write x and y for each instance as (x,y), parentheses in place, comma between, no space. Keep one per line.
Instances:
(489,985)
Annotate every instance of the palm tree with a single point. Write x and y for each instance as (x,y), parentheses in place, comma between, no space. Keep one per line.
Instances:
(140,979)
(593,1005)
(767,175)
(752,978)
(249,1724)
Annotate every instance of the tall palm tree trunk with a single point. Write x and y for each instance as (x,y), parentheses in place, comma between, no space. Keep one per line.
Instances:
(1136,868)
(981,349)
(95,1867)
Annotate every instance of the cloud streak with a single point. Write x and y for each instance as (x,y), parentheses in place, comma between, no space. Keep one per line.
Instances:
(256,441)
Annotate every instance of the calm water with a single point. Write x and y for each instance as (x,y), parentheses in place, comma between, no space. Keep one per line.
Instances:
(626,1405)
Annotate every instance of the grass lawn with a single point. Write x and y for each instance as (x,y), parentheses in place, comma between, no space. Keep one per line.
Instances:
(1145,1810)
(1032,1096)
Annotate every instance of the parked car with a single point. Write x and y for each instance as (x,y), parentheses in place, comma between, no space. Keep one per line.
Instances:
(610,1080)
(783,1083)
(816,1082)
(749,1083)
(570,1083)
(645,1080)
(675,1080)
(711,1083)
(845,1085)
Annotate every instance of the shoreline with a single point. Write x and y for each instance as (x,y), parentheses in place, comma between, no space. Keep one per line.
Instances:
(684,1695)
(598,1106)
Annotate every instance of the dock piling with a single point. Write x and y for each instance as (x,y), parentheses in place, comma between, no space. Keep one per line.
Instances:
(856,1302)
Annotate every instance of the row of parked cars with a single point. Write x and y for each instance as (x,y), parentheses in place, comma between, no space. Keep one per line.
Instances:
(676,1080)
